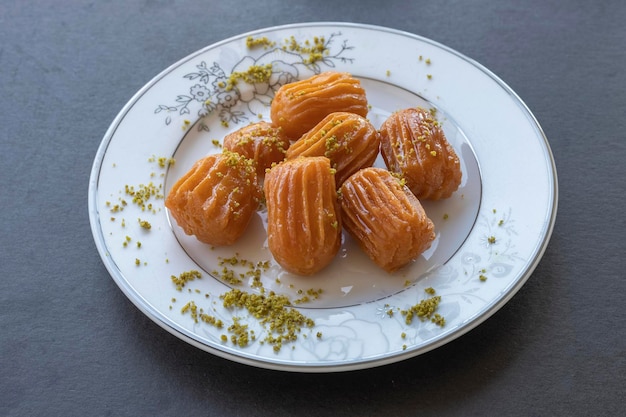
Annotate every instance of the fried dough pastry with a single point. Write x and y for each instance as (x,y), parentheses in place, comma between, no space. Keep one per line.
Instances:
(300,105)
(385,218)
(350,142)
(413,144)
(304,225)
(261,142)
(216,199)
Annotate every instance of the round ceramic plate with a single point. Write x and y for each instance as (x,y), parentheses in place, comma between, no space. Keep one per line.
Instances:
(491,233)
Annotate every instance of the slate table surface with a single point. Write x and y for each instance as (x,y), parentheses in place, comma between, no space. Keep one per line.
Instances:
(72,344)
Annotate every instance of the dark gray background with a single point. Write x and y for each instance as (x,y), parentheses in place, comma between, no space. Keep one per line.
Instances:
(72,344)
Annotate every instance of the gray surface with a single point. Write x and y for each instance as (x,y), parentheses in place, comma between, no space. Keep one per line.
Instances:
(72,344)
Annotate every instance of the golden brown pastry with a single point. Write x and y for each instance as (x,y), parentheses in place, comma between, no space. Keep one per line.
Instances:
(350,141)
(304,225)
(216,199)
(413,144)
(385,218)
(261,142)
(300,105)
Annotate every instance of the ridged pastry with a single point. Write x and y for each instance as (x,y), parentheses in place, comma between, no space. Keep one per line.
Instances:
(300,105)
(413,144)
(385,218)
(216,199)
(350,141)
(304,225)
(261,142)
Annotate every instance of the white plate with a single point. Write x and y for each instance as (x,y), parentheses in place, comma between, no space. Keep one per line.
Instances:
(495,227)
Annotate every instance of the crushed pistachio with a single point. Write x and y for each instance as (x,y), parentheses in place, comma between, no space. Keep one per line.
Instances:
(212,320)
(425,310)
(250,270)
(240,335)
(228,275)
(310,295)
(400,178)
(192,309)
(274,313)
(332,144)
(315,50)
(163,161)
(255,74)
(234,159)
(144,224)
(184,278)
(143,193)
(252,42)
(117,208)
